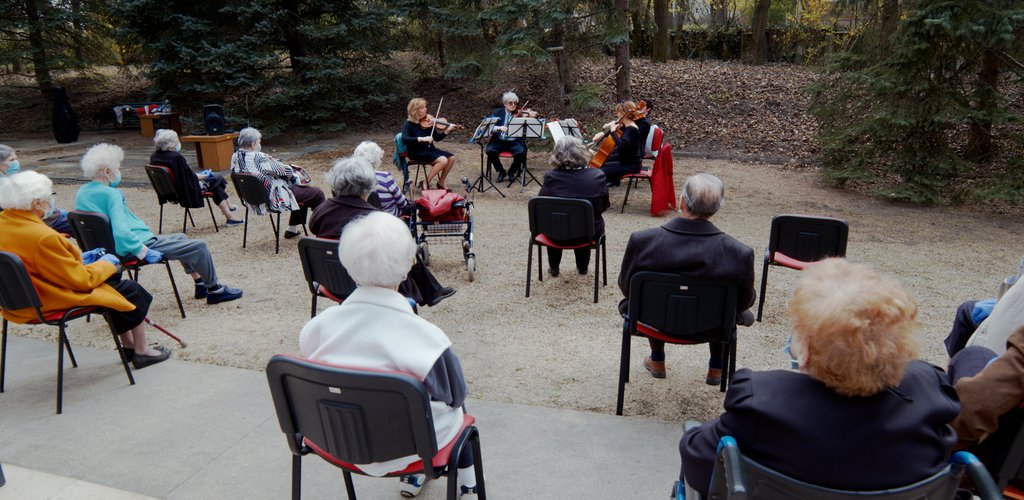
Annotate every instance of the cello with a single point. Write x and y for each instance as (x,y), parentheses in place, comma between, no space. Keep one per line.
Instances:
(607,143)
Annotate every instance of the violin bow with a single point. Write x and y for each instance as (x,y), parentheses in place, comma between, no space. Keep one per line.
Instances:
(436,115)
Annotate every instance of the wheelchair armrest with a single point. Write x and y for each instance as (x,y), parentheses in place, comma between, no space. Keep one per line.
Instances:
(984,485)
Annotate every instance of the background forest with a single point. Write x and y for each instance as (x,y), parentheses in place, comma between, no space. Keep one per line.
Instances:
(915,100)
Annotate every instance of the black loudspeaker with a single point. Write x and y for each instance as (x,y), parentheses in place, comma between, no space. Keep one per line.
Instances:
(65,121)
(213,119)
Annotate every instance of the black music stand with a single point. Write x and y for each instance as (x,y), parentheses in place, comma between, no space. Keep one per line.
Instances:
(525,128)
(480,136)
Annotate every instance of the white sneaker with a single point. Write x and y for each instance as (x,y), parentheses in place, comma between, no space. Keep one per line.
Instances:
(410,486)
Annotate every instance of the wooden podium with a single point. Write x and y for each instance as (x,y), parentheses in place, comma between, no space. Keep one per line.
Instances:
(213,152)
(148,123)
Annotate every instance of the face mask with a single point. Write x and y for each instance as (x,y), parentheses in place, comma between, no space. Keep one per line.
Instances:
(117,181)
(178,148)
(259,147)
(53,207)
(13,167)
(794,364)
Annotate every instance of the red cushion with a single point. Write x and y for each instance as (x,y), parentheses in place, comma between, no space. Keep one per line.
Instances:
(657,335)
(324,292)
(440,459)
(505,154)
(787,261)
(544,240)
(643,174)
(56,315)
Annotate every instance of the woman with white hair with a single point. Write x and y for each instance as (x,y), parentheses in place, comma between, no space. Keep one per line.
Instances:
(352,181)
(58,272)
(286,189)
(168,154)
(501,143)
(375,328)
(389,196)
(10,165)
(132,237)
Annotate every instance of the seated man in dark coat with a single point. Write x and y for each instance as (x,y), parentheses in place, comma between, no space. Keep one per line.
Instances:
(352,180)
(690,245)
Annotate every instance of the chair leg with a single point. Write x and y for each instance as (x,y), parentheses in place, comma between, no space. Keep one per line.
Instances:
(604,260)
(540,263)
(212,217)
(726,349)
(184,222)
(350,489)
(312,308)
(629,186)
(160,228)
(245,227)
(764,286)
(277,232)
(529,267)
(124,357)
(597,269)
(478,465)
(60,370)
(623,367)
(3,356)
(296,477)
(71,354)
(174,286)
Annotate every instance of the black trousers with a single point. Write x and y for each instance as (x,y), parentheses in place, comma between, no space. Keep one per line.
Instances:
(122,321)
(309,198)
(420,284)
(498,146)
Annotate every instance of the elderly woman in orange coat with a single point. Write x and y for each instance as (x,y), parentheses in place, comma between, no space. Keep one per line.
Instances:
(58,272)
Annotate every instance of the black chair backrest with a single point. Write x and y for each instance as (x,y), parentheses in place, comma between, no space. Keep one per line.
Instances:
(250,189)
(92,230)
(16,288)
(1005,447)
(356,416)
(320,264)
(808,238)
(561,219)
(163,183)
(692,310)
(738,477)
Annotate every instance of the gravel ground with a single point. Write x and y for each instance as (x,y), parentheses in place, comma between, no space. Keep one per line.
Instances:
(557,348)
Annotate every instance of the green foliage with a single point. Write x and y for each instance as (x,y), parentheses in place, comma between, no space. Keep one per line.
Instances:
(588,97)
(898,122)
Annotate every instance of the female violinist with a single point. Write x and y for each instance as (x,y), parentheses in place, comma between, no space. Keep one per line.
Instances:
(627,154)
(501,143)
(419,142)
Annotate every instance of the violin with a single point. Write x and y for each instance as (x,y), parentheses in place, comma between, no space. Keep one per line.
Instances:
(523,111)
(439,124)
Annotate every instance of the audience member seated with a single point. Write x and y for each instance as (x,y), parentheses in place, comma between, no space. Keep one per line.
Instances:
(375,328)
(352,180)
(860,414)
(391,198)
(571,178)
(168,154)
(287,189)
(10,165)
(989,322)
(102,164)
(690,245)
(61,277)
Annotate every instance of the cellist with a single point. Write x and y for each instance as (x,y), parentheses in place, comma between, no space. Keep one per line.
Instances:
(625,158)
(501,143)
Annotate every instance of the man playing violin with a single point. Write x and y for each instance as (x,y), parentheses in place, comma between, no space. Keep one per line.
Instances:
(501,143)
(419,134)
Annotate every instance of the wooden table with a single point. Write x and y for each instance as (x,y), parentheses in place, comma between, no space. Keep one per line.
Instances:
(213,152)
(149,123)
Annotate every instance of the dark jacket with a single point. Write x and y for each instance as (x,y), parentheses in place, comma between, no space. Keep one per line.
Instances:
(644,127)
(186,182)
(587,183)
(334,214)
(794,424)
(629,148)
(692,248)
(411,133)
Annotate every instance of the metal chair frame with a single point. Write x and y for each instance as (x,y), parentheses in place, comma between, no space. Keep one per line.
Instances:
(324,273)
(162,180)
(554,219)
(252,192)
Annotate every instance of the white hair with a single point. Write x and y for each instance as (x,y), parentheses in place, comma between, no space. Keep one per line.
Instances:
(377,250)
(369,151)
(5,152)
(351,177)
(509,96)
(165,140)
(100,156)
(703,195)
(19,190)
(248,136)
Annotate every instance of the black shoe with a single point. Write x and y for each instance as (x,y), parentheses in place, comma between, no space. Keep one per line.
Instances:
(200,290)
(290,234)
(224,294)
(553,271)
(501,177)
(142,361)
(129,353)
(582,271)
(442,294)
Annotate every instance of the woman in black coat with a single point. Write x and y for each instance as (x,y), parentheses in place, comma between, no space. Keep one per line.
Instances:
(186,182)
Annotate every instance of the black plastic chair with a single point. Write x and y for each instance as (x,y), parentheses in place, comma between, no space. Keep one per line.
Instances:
(738,477)
(325,275)
(92,230)
(163,183)
(797,240)
(252,193)
(677,310)
(555,221)
(1003,452)
(18,292)
(352,417)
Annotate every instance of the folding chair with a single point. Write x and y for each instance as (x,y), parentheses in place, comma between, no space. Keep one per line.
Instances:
(524,172)
(646,172)
(92,230)
(565,223)
(402,161)
(798,240)
(163,183)
(356,416)
(324,273)
(678,310)
(738,477)
(18,292)
(252,192)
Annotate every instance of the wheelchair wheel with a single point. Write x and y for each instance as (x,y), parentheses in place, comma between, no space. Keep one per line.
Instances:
(470,266)
(424,253)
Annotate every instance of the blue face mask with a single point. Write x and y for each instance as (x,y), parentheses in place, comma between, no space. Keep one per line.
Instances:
(117,181)
(178,148)
(13,167)
(53,207)
(794,364)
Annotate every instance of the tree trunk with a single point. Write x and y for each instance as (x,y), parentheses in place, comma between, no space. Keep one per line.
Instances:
(557,51)
(76,24)
(760,33)
(442,58)
(979,144)
(719,12)
(661,20)
(622,65)
(294,40)
(40,63)
(890,17)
